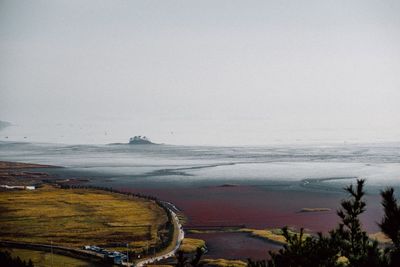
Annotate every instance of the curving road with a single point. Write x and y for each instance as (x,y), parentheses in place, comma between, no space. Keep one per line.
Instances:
(180,235)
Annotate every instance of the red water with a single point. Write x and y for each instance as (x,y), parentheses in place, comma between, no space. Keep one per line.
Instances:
(235,246)
(256,207)
(260,208)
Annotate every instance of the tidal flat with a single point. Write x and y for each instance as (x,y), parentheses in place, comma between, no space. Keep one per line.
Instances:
(253,187)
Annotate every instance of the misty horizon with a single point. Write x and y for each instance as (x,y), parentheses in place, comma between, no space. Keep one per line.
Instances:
(205,73)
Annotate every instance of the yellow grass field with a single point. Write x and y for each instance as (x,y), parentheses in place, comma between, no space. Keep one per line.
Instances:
(77,217)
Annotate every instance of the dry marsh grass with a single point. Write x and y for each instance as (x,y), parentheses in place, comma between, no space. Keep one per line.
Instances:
(224,263)
(380,237)
(190,245)
(77,217)
(273,235)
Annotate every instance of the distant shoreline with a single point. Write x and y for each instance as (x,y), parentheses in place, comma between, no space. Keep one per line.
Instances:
(23,165)
(23,174)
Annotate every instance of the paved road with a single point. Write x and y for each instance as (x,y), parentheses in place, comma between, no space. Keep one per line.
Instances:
(171,253)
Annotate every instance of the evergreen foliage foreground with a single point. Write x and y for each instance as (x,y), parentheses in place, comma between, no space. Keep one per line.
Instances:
(7,260)
(346,245)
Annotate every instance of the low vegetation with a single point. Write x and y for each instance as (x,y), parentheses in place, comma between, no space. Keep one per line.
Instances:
(77,217)
(190,245)
(224,263)
(381,238)
(272,235)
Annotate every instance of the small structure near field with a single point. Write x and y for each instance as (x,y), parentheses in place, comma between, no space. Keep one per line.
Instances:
(20,187)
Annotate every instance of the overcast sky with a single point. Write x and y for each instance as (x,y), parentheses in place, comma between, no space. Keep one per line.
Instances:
(204,72)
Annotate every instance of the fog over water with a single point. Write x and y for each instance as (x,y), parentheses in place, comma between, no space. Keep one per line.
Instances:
(200,73)
(318,168)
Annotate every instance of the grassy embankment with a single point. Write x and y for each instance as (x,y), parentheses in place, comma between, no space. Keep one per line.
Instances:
(77,217)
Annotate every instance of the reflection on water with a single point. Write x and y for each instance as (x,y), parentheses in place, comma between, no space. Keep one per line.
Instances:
(235,246)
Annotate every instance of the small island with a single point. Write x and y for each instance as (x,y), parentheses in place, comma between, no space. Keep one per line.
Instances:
(140,140)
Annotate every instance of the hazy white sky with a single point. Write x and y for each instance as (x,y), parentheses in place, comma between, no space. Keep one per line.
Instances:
(203,72)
